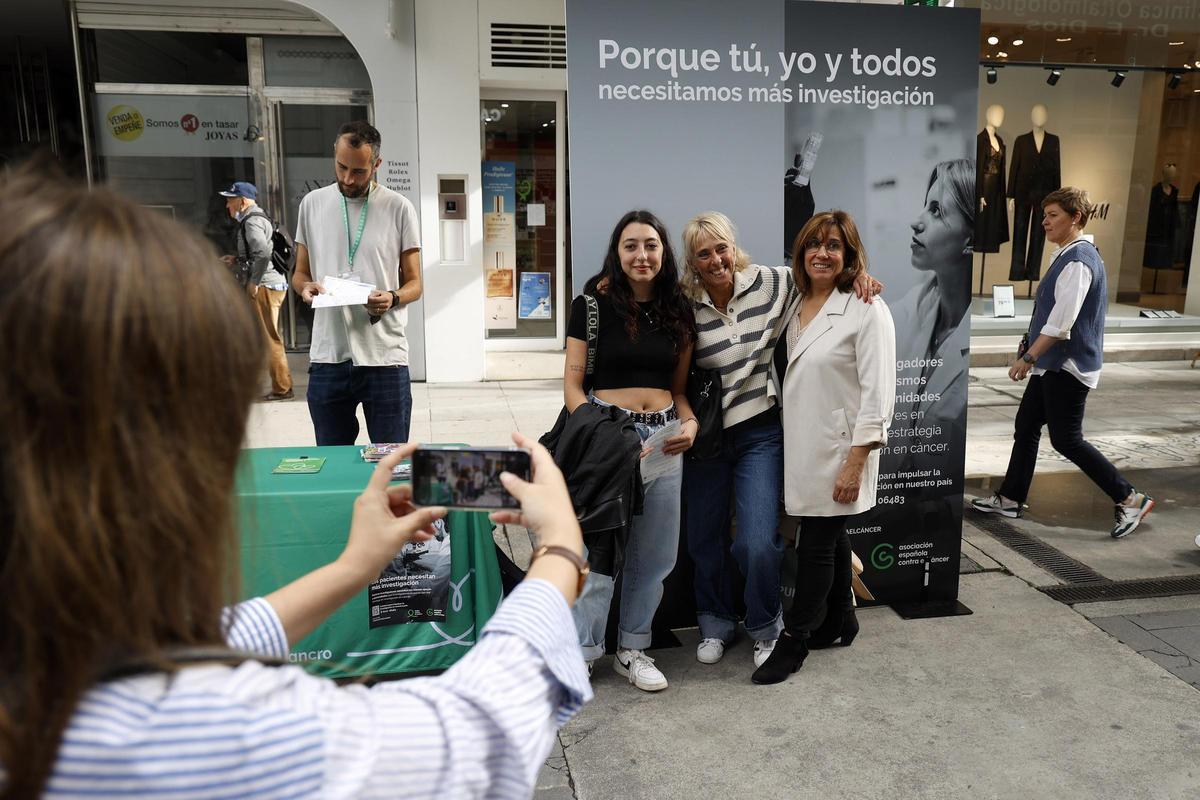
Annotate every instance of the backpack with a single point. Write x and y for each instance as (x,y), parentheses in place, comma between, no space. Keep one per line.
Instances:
(283,253)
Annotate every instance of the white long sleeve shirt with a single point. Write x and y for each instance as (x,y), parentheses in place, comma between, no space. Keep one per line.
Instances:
(1069,293)
(482,729)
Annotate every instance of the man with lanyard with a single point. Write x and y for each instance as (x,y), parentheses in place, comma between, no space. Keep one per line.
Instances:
(266,286)
(357,229)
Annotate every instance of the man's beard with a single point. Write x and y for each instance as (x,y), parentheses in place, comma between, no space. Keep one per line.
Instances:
(358,191)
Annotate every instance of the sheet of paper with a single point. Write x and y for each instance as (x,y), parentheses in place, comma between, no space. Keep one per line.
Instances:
(342,292)
(535,214)
(656,463)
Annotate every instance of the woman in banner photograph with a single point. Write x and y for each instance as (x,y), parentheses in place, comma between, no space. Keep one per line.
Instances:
(836,361)
(933,321)
(739,309)
(643,347)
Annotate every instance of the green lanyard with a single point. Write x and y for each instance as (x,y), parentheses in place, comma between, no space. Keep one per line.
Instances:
(352,246)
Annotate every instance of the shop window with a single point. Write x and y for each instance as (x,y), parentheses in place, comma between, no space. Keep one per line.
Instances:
(322,62)
(210,59)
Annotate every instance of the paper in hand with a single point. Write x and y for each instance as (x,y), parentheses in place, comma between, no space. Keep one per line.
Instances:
(657,463)
(342,292)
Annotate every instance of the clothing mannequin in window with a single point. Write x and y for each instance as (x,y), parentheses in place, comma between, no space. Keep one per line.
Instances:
(1035,172)
(991,217)
(1162,221)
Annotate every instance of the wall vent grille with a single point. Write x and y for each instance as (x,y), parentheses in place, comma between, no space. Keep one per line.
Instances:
(522,46)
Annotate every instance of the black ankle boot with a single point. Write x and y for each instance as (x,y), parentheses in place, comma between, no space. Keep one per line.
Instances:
(787,657)
(843,635)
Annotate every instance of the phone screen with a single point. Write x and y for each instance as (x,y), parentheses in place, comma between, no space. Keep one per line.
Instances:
(466,477)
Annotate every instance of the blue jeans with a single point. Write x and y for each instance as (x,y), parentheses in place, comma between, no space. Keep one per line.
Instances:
(335,390)
(650,552)
(750,468)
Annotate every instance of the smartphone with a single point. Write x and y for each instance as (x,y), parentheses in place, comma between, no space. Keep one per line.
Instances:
(466,477)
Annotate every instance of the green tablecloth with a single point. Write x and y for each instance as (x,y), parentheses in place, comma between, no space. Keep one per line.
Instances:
(292,524)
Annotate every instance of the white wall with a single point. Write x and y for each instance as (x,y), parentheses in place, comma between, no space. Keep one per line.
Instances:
(1098,128)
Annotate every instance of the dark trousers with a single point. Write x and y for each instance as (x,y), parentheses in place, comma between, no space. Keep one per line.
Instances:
(1056,400)
(336,390)
(1027,263)
(823,574)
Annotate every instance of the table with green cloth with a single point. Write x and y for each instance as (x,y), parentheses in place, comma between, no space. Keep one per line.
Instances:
(290,524)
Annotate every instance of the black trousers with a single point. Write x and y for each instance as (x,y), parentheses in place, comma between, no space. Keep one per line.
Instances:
(1056,400)
(823,576)
(1027,262)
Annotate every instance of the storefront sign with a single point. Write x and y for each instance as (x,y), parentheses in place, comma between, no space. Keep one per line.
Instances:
(866,108)
(172,125)
(500,243)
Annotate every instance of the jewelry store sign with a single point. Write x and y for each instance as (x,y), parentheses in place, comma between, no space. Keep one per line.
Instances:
(185,126)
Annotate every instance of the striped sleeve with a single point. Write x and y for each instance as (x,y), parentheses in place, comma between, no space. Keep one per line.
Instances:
(253,626)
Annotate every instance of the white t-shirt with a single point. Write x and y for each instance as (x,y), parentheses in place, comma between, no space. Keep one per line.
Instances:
(345,333)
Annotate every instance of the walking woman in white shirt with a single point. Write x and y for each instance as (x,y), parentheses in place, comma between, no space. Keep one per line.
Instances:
(837,364)
(1064,357)
(123,672)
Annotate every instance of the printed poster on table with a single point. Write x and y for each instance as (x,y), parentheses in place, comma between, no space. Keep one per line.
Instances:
(534,302)
(415,586)
(500,243)
(772,110)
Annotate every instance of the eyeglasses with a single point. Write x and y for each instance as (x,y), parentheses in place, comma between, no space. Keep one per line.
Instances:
(833,247)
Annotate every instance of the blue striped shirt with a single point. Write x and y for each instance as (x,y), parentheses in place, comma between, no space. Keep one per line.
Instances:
(212,731)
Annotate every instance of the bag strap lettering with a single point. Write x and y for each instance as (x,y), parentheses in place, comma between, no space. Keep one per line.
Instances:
(593,325)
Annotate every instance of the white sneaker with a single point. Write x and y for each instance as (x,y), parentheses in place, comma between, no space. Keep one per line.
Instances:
(1130,515)
(709,651)
(762,651)
(997,505)
(640,669)
(590,665)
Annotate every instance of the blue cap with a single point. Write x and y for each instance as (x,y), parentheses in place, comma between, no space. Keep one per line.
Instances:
(241,189)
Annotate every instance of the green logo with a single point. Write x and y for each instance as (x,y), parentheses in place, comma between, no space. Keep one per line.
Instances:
(881,556)
(524,188)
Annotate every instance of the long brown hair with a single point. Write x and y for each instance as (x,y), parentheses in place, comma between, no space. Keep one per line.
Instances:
(818,229)
(131,362)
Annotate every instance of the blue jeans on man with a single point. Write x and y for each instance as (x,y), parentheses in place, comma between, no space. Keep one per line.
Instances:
(336,390)
(749,472)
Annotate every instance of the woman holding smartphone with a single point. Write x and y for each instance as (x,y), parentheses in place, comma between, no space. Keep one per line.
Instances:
(644,335)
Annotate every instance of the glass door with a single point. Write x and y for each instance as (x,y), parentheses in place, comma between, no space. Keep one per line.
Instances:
(302,159)
(524,265)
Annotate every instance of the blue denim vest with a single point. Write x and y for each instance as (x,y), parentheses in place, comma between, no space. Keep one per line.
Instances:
(1086,345)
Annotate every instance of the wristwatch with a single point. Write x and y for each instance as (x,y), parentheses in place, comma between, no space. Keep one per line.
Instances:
(1028,359)
(395,298)
(580,563)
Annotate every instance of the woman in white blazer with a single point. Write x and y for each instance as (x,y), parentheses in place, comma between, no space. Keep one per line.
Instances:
(837,364)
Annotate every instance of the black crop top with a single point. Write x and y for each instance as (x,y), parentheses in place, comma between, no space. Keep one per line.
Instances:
(620,363)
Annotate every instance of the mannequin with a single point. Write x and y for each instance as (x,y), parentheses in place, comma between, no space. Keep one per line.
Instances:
(991,219)
(1036,171)
(1161,221)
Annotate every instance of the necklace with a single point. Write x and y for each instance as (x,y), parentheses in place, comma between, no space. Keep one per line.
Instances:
(650,318)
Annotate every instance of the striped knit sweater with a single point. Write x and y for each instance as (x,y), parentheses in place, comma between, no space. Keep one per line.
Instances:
(740,341)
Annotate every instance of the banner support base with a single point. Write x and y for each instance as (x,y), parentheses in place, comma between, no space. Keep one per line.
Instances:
(931,609)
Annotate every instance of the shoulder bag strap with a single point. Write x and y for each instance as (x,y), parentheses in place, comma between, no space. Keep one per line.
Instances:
(593,325)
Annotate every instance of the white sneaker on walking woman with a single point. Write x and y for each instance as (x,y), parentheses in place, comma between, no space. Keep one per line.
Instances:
(640,669)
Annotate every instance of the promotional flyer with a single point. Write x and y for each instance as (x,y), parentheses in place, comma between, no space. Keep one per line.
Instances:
(771,111)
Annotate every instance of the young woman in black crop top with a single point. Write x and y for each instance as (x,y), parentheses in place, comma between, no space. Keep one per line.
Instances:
(643,349)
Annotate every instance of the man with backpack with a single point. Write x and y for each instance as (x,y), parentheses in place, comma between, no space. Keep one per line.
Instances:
(263,268)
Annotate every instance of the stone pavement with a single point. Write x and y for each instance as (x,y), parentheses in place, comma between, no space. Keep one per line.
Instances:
(1026,698)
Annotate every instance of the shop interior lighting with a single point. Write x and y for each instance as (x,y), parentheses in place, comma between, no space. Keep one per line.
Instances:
(1118,77)
(1054,75)
(1174,44)
(1018,42)
(1002,54)
(504,105)
(993,39)
(1174,80)
(1063,39)
(991,75)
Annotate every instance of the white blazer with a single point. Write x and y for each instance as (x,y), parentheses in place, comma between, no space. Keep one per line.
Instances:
(838,391)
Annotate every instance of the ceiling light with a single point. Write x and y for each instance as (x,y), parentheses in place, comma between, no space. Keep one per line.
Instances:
(1118,77)
(993,39)
(1063,39)
(991,75)
(504,105)
(1174,44)
(1174,80)
(545,124)
(551,122)
(1002,54)
(1018,42)
(1053,77)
